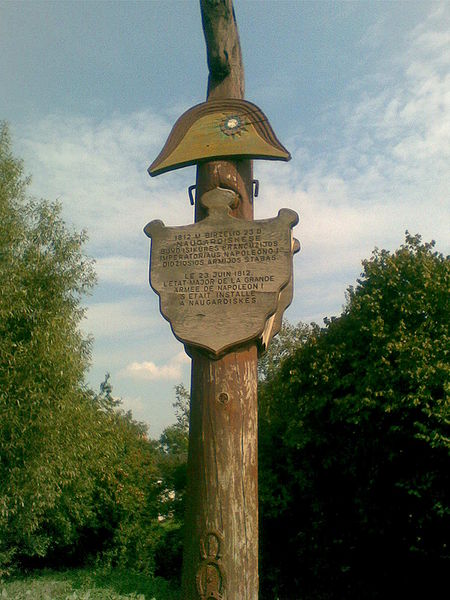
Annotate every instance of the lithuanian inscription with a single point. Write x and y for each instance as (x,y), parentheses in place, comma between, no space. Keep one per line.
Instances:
(219,280)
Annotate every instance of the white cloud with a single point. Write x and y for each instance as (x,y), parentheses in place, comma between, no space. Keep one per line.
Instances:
(107,320)
(122,270)
(97,169)
(383,168)
(149,371)
(136,405)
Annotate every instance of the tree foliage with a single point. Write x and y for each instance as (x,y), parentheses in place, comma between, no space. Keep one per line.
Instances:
(289,338)
(173,444)
(43,358)
(127,497)
(77,474)
(354,440)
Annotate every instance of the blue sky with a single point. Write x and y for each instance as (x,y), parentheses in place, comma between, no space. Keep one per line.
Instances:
(359,93)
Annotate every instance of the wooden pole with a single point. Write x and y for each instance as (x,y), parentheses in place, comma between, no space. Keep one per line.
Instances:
(221,528)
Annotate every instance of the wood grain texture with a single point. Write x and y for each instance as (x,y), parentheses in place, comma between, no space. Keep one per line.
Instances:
(235,175)
(222,489)
(223,50)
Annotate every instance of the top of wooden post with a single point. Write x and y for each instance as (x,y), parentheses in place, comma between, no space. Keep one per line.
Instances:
(226,69)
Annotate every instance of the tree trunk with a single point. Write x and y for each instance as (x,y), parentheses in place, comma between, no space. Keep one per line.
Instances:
(221,528)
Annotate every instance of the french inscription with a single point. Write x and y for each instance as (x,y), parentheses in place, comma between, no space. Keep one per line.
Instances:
(219,280)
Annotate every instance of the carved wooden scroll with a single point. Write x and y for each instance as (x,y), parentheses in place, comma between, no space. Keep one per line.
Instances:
(210,575)
(219,129)
(273,325)
(221,280)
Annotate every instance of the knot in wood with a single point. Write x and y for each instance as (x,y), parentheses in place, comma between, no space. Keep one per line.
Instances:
(223,398)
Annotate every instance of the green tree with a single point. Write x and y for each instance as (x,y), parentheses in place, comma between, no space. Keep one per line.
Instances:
(354,441)
(173,443)
(124,530)
(78,475)
(288,339)
(44,407)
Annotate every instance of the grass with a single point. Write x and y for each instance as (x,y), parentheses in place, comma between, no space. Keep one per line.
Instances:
(87,584)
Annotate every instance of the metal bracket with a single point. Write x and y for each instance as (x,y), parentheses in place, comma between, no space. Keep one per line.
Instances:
(192,199)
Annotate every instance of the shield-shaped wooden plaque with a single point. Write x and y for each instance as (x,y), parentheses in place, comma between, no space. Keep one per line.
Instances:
(219,280)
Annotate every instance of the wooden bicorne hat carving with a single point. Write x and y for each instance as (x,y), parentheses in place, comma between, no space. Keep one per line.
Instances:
(219,129)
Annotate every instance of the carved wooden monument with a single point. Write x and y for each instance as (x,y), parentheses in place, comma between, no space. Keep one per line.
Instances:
(220,280)
(223,285)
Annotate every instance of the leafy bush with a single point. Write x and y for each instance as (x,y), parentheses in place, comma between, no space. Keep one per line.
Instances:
(354,441)
(128,497)
(83,584)
(77,474)
(173,445)
(44,408)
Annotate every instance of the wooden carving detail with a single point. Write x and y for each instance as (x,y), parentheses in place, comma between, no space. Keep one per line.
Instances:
(221,279)
(210,577)
(219,129)
(273,325)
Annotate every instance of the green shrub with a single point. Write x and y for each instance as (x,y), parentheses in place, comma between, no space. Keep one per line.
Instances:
(354,442)
(44,408)
(77,474)
(87,584)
